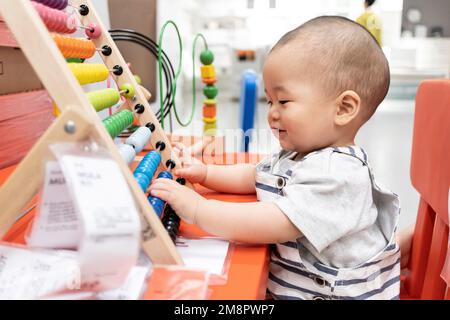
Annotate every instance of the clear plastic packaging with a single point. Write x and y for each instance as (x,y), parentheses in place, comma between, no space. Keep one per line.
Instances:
(177,283)
(208,255)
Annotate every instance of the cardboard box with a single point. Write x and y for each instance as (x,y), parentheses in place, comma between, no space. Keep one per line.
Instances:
(140,16)
(24,117)
(16,73)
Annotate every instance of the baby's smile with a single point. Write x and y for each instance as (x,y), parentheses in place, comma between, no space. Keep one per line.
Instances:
(279,133)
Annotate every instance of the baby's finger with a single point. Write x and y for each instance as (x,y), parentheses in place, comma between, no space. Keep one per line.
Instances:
(184,172)
(186,161)
(162,194)
(166,184)
(178,148)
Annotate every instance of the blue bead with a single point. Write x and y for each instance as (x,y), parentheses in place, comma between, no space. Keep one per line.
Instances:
(165,175)
(142,180)
(157,204)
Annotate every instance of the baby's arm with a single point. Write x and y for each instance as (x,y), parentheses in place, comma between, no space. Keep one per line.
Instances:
(239,178)
(254,222)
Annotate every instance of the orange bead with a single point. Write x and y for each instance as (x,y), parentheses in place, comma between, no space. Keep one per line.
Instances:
(209,80)
(209,112)
(73,47)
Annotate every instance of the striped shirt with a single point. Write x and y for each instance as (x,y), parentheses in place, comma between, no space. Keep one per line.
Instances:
(348,221)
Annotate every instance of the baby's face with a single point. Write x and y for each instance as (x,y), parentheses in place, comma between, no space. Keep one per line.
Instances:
(300,115)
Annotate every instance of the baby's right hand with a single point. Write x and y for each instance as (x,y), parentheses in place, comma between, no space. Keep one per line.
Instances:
(191,169)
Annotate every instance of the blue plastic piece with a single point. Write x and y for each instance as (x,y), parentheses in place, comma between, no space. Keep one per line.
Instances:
(142,180)
(149,164)
(248,102)
(165,175)
(157,203)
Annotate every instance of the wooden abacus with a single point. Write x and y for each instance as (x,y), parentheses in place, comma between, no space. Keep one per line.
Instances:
(29,21)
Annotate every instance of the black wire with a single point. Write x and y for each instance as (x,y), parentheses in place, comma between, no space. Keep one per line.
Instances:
(149,44)
(167,103)
(132,36)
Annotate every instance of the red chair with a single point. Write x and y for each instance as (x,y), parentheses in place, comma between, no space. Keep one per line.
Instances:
(430,176)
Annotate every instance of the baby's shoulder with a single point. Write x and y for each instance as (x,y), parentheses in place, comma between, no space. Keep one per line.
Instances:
(334,160)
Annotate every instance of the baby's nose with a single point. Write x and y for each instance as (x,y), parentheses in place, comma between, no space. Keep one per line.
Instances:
(274,114)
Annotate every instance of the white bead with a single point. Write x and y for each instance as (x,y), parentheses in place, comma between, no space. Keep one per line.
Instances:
(127,152)
(139,139)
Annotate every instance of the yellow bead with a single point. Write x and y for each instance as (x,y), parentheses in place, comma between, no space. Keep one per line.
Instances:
(210,129)
(210,102)
(56,111)
(89,72)
(210,120)
(208,71)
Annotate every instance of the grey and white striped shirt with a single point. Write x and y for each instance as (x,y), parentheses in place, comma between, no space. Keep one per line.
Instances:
(348,222)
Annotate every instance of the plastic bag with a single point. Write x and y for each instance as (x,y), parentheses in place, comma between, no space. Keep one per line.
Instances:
(177,283)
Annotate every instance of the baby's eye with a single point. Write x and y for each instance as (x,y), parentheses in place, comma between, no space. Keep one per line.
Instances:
(284,101)
(269,102)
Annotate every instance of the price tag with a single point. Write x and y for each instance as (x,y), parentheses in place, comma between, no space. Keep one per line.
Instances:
(110,221)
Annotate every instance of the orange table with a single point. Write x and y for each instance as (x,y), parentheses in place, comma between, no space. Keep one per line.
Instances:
(248,271)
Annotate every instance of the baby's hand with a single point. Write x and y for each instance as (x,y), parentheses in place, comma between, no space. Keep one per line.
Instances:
(182,199)
(191,169)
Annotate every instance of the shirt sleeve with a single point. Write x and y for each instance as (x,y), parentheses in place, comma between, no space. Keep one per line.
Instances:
(328,197)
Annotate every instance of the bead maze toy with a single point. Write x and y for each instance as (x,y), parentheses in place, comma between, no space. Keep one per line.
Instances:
(50,22)
(210,91)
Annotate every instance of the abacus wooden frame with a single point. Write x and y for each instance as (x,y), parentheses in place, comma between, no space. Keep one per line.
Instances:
(51,67)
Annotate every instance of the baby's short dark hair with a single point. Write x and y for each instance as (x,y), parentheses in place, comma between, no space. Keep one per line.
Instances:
(344,56)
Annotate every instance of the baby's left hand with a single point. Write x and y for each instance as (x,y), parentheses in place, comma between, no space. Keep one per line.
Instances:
(182,199)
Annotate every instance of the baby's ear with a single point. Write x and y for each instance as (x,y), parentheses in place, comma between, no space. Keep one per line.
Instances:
(348,107)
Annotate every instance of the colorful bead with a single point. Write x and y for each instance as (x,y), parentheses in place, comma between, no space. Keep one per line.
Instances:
(128,90)
(210,91)
(102,99)
(89,72)
(210,120)
(93,31)
(210,102)
(138,79)
(208,71)
(118,122)
(157,203)
(209,81)
(139,138)
(209,112)
(206,57)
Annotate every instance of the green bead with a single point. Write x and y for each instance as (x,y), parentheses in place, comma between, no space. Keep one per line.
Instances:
(128,90)
(138,79)
(118,122)
(206,57)
(210,91)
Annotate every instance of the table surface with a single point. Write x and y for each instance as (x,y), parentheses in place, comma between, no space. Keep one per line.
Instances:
(248,271)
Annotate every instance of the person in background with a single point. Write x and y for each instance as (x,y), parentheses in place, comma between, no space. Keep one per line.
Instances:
(371,21)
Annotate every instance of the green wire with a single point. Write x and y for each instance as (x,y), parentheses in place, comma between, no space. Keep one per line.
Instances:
(177,74)
(160,69)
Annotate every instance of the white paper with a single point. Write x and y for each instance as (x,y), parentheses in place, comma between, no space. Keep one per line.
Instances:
(131,289)
(57,224)
(55,274)
(27,274)
(204,254)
